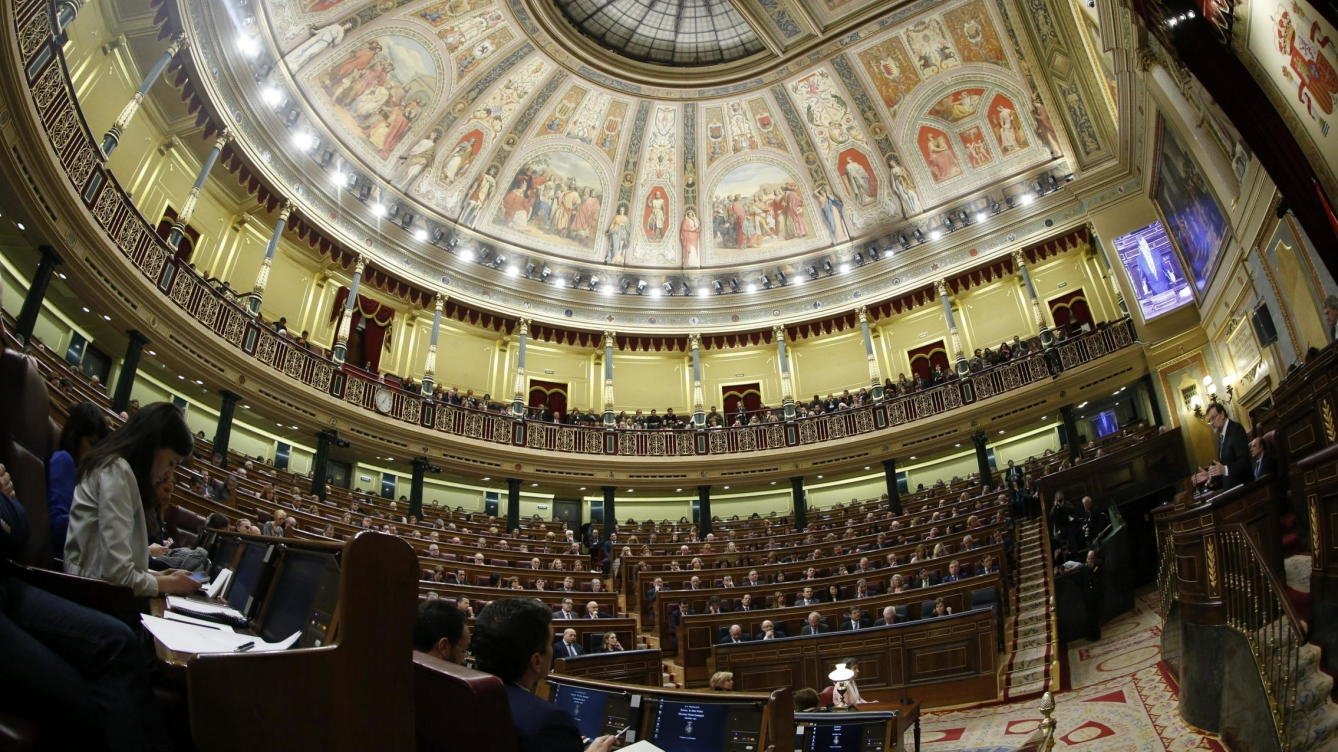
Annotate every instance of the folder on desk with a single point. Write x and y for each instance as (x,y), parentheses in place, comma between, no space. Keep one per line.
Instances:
(183,637)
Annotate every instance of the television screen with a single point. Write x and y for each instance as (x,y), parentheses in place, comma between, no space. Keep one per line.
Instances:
(1105,423)
(247,582)
(305,592)
(706,727)
(1155,274)
(596,712)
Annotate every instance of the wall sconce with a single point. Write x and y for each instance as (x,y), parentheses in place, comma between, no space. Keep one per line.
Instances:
(840,676)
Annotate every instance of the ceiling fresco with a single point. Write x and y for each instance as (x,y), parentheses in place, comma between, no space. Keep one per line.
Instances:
(449,103)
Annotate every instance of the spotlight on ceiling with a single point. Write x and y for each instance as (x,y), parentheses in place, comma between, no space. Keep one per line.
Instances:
(813,271)
(919,236)
(780,278)
(497,262)
(1026,198)
(640,287)
(529,270)
(874,253)
(766,281)
(935,234)
(827,267)
(704,291)
(668,288)
(719,287)
(656,292)
(995,207)
(981,216)
(962,218)
(466,254)
(625,285)
(752,287)
(905,241)
(733,284)
(545,273)
(799,279)
(858,258)
(421,235)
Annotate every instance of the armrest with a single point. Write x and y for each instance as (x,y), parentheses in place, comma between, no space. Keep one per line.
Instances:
(116,600)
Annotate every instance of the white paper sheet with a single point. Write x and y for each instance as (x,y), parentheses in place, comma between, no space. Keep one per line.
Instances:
(216,588)
(641,746)
(193,605)
(192,638)
(183,618)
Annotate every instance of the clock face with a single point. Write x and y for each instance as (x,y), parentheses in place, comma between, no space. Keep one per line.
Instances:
(385,400)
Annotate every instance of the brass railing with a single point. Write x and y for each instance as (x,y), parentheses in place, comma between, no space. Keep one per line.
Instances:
(1257,607)
(1166,575)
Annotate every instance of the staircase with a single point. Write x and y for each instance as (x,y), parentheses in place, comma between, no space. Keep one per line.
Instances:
(1313,725)
(1031,641)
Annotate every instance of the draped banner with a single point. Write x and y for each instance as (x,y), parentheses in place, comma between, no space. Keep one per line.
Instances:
(375,332)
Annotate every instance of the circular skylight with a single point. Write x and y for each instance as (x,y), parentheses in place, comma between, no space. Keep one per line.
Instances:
(667,32)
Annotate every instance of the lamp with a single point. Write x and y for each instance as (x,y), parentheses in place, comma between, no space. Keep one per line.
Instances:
(840,676)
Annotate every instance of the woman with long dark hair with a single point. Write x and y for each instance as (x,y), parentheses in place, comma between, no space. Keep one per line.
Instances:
(115,511)
(84,427)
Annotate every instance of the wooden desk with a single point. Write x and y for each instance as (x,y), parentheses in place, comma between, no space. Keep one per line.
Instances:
(644,667)
(907,710)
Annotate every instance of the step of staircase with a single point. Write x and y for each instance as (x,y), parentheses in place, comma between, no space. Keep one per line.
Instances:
(1027,665)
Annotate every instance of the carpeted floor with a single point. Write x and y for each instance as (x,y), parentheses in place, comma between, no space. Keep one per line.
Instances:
(1122,699)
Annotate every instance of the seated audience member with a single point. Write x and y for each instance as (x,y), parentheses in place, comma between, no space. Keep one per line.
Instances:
(567,646)
(855,620)
(64,661)
(714,605)
(769,631)
(954,572)
(745,602)
(735,635)
(568,610)
(941,608)
(813,625)
(805,700)
(722,681)
(84,427)
(1263,462)
(610,643)
(512,642)
(592,611)
(441,631)
(116,501)
(888,618)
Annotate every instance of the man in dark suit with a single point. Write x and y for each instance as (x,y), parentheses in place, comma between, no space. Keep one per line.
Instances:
(888,618)
(511,641)
(806,598)
(1013,474)
(734,636)
(924,579)
(567,645)
(1092,522)
(745,603)
(769,631)
(856,620)
(1233,466)
(813,626)
(954,572)
(656,588)
(568,611)
(1262,462)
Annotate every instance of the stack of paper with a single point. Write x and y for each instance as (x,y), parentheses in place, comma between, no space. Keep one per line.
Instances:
(199,607)
(184,637)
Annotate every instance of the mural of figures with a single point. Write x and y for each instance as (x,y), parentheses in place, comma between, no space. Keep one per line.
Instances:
(959,105)
(1196,220)
(467,32)
(469,60)
(1040,120)
(655,218)
(414,161)
(977,150)
(930,47)
(857,175)
(742,137)
(321,40)
(938,154)
(974,34)
(461,156)
(442,13)
(662,145)
(380,88)
(757,204)
(902,187)
(889,67)
(690,238)
(833,214)
(620,228)
(554,196)
(1007,129)
(478,194)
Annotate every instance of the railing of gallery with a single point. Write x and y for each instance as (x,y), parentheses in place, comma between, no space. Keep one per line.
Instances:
(80,156)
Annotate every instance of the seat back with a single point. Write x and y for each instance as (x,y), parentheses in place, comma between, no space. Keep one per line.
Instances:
(25,444)
(984,597)
(183,526)
(459,708)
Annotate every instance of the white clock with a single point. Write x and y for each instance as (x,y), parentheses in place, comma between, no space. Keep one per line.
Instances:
(384,399)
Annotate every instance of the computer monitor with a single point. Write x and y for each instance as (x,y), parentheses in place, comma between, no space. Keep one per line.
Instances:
(224,555)
(687,726)
(597,712)
(845,732)
(248,579)
(302,598)
(1105,423)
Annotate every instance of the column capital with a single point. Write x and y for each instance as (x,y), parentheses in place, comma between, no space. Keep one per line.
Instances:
(178,42)
(523,327)
(778,332)
(694,341)
(286,211)
(610,338)
(359,265)
(863,314)
(224,136)
(941,287)
(438,302)
(1019,259)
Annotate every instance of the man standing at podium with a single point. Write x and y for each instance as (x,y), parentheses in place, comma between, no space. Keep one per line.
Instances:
(1233,466)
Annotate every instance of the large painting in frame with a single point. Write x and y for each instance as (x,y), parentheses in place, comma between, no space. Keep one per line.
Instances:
(1193,215)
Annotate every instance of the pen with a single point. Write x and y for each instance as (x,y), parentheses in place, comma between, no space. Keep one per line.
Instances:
(245,646)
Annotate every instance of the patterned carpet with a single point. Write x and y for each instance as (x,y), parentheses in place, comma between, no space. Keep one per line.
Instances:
(1122,699)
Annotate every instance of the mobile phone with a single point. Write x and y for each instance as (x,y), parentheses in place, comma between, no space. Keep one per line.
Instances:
(199,577)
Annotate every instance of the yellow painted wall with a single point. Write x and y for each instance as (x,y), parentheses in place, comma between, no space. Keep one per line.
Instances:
(993,313)
(565,365)
(721,368)
(834,363)
(910,330)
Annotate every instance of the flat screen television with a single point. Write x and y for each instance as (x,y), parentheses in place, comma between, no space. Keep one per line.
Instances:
(678,726)
(1155,273)
(597,712)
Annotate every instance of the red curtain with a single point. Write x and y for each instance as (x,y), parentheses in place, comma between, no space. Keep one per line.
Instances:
(375,333)
(926,358)
(189,240)
(1071,311)
(741,397)
(549,394)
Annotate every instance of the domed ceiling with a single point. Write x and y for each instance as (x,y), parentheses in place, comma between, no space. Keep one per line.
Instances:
(499,123)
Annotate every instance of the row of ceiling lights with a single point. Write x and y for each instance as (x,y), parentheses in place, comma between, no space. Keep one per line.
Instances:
(365,190)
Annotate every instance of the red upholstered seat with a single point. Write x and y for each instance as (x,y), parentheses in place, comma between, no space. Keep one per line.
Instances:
(458,708)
